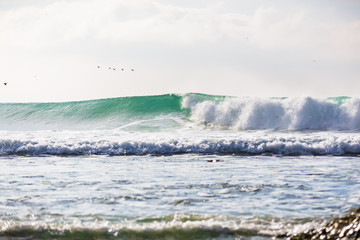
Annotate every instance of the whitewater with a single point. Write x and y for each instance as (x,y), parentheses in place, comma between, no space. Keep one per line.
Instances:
(177,166)
(177,124)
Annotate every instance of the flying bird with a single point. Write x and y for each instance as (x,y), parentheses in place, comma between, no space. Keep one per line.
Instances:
(5,83)
(98,66)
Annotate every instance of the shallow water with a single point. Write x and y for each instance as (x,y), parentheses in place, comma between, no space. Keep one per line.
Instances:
(227,195)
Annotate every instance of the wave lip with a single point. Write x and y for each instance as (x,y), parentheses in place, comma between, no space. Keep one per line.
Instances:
(274,145)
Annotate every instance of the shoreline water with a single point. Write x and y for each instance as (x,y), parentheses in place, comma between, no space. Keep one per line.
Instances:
(162,197)
(346,227)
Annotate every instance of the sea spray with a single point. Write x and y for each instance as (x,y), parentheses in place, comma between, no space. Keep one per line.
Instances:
(252,113)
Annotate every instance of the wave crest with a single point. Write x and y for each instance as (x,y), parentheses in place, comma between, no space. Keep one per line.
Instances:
(279,114)
(171,111)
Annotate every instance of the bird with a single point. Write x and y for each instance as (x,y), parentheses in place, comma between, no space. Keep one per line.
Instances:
(5,83)
(114,69)
(122,69)
(98,66)
(132,70)
(213,160)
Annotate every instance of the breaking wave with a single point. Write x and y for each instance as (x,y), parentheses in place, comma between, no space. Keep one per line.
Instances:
(176,124)
(173,111)
(250,144)
(278,114)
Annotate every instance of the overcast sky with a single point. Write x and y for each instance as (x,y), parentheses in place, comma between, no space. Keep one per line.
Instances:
(50,50)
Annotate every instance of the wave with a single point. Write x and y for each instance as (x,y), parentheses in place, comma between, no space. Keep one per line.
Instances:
(102,113)
(173,111)
(177,226)
(286,145)
(304,113)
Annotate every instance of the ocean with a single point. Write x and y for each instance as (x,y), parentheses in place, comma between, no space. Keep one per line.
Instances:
(177,166)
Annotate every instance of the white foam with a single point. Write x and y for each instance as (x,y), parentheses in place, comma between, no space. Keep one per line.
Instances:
(212,142)
(264,226)
(304,113)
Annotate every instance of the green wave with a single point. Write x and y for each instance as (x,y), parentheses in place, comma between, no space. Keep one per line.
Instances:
(115,112)
(93,109)
(163,110)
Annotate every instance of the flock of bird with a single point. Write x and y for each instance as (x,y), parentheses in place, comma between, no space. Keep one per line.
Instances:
(110,68)
(114,69)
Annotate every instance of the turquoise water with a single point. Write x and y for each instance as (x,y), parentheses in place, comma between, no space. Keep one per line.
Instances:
(190,166)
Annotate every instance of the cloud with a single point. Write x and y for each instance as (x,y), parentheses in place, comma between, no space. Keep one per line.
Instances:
(146,22)
(180,47)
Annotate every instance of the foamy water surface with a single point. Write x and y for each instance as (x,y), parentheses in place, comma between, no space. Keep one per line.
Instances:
(267,195)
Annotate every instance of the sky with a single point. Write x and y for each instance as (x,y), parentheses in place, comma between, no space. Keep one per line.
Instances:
(50,50)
